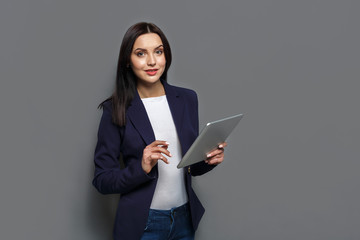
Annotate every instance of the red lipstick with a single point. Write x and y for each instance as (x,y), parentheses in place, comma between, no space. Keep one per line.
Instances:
(151,72)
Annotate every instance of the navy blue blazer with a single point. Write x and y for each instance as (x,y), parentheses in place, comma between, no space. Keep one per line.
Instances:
(135,186)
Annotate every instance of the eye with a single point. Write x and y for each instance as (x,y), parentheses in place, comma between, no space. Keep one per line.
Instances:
(140,54)
(159,51)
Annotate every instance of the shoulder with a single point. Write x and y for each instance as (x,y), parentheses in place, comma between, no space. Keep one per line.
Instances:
(106,105)
(188,95)
(107,110)
(184,92)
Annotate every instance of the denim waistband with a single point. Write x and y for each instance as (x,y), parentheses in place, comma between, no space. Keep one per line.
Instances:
(181,209)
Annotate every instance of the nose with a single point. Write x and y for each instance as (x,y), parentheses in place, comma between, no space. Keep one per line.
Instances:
(151,60)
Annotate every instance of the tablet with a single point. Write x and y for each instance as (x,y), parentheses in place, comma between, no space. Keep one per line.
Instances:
(210,137)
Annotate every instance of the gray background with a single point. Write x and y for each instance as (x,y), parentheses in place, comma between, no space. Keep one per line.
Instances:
(292,165)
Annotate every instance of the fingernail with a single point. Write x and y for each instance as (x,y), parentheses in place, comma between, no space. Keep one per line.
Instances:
(209,155)
(221,146)
(166,143)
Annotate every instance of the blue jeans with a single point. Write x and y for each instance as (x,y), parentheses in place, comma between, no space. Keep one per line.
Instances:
(173,224)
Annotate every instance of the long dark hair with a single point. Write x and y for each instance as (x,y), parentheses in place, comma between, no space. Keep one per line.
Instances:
(125,78)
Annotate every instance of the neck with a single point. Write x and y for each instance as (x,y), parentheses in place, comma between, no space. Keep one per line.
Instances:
(150,90)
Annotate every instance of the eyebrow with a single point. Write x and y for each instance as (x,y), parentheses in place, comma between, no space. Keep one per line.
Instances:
(143,49)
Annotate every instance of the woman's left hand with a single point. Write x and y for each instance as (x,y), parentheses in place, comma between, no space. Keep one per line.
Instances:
(216,156)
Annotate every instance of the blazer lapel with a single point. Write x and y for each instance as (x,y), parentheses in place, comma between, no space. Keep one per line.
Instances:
(137,114)
(176,107)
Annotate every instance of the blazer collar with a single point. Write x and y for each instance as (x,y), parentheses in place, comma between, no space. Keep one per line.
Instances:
(176,104)
(136,113)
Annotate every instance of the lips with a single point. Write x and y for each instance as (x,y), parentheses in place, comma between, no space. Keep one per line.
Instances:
(151,72)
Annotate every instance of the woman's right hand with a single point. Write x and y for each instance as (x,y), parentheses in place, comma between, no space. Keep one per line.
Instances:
(154,152)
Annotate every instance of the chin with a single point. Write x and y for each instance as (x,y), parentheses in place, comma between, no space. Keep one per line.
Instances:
(149,81)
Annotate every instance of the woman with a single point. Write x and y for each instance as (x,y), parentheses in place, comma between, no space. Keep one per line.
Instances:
(150,125)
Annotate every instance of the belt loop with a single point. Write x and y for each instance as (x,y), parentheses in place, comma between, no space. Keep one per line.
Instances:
(172,213)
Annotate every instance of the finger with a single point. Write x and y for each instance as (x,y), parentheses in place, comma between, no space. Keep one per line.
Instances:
(158,142)
(215,160)
(222,145)
(156,157)
(211,159)
(161,150)
(215,152)
(165,160)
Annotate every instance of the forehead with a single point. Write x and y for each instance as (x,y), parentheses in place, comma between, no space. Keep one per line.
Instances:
(148,41)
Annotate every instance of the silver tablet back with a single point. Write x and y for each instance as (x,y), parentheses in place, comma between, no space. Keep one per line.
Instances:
(210,137)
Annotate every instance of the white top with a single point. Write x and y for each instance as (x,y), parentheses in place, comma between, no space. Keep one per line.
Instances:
(170,189)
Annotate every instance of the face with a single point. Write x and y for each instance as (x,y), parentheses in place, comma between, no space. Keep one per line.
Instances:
(148,59)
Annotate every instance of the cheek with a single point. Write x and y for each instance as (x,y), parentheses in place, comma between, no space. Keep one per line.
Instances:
(161,62)
(137,63)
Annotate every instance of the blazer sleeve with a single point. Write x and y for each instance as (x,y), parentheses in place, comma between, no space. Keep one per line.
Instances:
(198,168)
(109,177)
